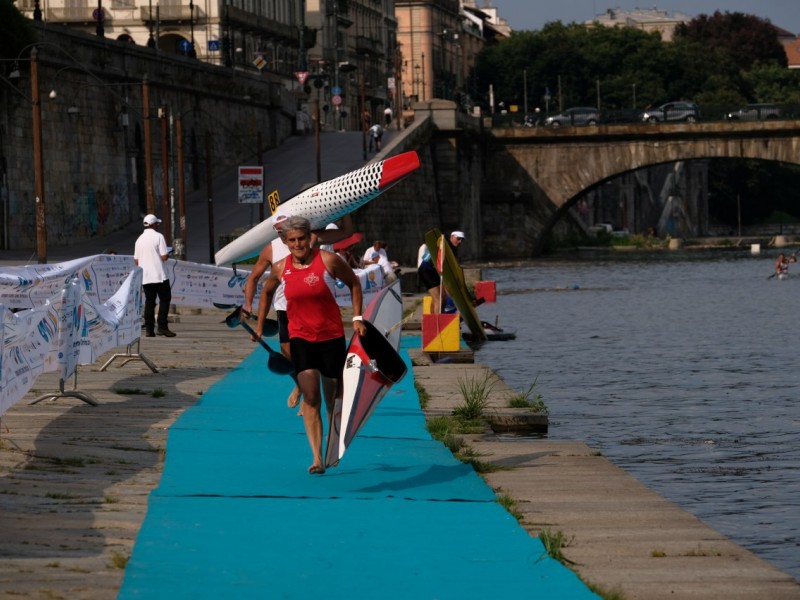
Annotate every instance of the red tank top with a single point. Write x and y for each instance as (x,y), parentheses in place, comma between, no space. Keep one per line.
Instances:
(310,305)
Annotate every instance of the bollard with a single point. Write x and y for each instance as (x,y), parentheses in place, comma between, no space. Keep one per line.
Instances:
(755,248)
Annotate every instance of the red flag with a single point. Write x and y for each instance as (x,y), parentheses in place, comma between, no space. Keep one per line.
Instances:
(440,256)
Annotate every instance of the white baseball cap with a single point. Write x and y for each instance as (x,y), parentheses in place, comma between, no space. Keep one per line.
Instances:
(458,234)
(279,216)
(151,220)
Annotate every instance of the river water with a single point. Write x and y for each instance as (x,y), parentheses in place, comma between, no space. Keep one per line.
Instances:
(681,368)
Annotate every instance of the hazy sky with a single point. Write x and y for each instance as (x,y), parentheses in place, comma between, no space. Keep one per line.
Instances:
(532,14)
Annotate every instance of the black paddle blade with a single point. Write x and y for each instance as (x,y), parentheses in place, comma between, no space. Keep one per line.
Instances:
(270,327)
(279,364)
(234,319)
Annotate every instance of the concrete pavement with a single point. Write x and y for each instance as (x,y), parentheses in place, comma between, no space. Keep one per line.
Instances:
(75,479)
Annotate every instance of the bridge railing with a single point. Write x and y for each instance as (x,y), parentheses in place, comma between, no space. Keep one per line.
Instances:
(621,116)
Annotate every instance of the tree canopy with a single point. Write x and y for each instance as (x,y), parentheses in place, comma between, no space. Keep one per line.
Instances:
(746,39)
(729,58)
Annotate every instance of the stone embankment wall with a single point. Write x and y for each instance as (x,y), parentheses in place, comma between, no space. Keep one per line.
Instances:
(93,131)
(443,193)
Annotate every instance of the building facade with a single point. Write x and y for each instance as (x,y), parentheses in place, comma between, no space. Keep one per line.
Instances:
(351,64)
(245,34)
(438,41)
(646,19)
(348,59)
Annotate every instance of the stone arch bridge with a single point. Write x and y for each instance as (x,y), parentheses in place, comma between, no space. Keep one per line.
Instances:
(533,176)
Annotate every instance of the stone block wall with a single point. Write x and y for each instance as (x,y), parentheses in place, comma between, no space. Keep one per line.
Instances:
(93,132)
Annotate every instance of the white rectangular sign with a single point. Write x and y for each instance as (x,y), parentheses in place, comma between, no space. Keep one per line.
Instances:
(251,185)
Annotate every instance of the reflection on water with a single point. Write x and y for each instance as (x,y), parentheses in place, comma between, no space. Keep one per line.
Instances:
(683,369)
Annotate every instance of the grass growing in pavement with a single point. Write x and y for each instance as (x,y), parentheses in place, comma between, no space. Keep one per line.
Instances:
(468,455)
(554,543)
(529,399)
(510,505)
(476,391)
(119,560)
(424,397)
(158,393)
(605,594)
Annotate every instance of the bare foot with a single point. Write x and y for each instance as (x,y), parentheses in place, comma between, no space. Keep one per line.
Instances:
(294,398)
(316,469)
(300,410)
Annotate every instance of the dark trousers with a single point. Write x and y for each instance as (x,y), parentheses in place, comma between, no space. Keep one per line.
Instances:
(163,292)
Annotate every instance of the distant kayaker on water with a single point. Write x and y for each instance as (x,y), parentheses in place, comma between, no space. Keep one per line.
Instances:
(782,264)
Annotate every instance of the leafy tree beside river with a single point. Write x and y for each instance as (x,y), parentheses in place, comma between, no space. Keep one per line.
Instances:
(720,61)
(738,60)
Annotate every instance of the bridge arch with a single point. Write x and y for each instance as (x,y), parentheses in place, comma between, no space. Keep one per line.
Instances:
(550,169)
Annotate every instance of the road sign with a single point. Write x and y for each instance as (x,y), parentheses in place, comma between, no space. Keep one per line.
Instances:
(185,46)
(336,90)
(259,62)
(337,100)
(301,76)
(251,185)
(214,45)
(99,14)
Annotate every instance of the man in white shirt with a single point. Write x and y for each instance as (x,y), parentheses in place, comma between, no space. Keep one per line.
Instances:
(372,253)
(150,253)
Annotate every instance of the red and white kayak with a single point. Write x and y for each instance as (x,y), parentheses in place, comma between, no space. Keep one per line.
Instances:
(373,366)
(324,203)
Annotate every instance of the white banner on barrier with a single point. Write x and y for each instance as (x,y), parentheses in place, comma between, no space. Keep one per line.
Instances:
(101,276)
(71,313)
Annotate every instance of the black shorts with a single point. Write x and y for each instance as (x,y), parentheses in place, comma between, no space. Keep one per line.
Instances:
(428,276)
(283,326)
(326,357)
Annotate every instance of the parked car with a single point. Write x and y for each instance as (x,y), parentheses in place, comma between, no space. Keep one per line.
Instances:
(755,112)
(672,111)
(578,115)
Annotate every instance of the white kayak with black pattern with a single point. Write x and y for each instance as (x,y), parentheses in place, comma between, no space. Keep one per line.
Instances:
(324,203)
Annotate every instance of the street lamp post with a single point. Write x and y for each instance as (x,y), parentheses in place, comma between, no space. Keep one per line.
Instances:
(423,77)
(148,145)
(363,112)
(192,52)
(181,189)
(38,161)
(210,204)
(100,29)
(165,204)
(318,83)
(151,42)
(525,93)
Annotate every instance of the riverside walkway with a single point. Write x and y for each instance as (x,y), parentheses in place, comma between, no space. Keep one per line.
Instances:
(84,505)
